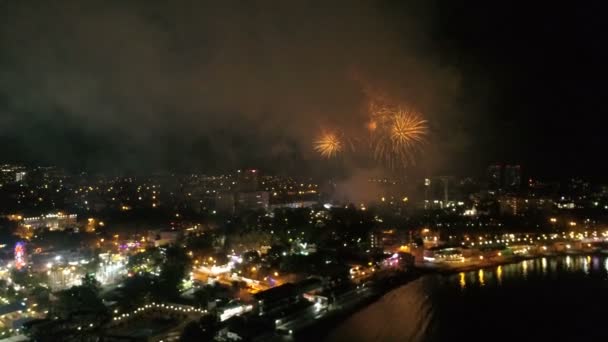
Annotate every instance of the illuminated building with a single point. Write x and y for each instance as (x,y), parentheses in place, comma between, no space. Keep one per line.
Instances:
(439,193)
(63,277)
(427,185)
(20,176)
(518,205)
(19,255)
(235,308)
(448,254)
(294,205)
(57,221)
(11,174)
(388,240)
(504,178)
(163,237)
(510,205)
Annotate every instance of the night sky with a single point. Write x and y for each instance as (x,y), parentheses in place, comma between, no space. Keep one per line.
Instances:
(140,86)
(539,69)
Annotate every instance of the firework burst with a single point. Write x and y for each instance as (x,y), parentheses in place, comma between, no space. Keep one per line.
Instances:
(408,129)
(398,137)
(328,145)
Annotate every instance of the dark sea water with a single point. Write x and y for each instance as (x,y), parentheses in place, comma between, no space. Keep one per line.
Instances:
(562,298)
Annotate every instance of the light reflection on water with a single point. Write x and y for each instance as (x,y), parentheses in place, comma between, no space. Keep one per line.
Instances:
(544,264)
(553,298)
(544,267)
(595,264)
(499,275)
(544,299)
(463,282)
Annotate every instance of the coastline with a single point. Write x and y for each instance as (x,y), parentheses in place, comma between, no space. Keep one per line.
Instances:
(321,329)
(448,269)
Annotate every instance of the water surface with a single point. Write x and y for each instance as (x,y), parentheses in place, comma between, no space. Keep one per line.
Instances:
(545,299)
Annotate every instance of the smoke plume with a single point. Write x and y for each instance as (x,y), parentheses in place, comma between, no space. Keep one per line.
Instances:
(207,85)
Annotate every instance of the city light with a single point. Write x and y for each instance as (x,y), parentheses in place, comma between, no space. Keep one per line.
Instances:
(303,171)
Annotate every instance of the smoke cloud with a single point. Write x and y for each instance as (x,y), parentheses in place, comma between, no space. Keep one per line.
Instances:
(138,85)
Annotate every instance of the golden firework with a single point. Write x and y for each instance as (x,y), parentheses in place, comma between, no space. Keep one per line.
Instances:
(398,137)
(328,145)
(408,129)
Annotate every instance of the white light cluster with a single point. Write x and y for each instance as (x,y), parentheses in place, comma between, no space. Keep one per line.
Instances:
(167,307)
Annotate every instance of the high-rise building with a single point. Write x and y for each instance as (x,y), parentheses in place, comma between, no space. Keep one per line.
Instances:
(427,185)
(512,177)
(11,173)
(446,183)
(495,177)
(20,176)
